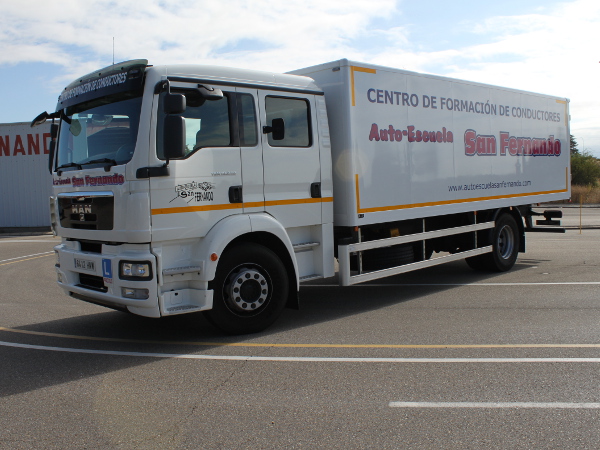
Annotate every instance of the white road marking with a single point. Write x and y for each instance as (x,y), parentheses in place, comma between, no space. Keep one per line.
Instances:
(26,256)
(558,405)
(566,283)
(9,241)
(299,359)
(305,345)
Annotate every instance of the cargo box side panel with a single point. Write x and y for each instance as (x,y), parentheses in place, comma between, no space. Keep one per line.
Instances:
(407,145)
(476,142)
(523,138)
(426,145)
(403,143)
(427,141)
(383,167)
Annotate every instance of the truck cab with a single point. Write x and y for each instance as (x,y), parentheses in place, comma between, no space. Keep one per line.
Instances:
(192,188)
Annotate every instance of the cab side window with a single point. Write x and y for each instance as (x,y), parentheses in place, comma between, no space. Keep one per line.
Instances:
(227,122)
(247,120)
(207,124)
(295,113)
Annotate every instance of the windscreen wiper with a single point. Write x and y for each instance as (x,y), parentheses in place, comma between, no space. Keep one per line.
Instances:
(109,163)
(64,166)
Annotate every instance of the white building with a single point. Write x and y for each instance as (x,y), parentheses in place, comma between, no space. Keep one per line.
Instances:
(25,182)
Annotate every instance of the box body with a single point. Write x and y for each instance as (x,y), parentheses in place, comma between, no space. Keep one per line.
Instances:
(408,145)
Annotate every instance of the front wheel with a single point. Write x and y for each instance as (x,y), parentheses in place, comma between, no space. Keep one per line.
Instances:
(505,247)
(250,290)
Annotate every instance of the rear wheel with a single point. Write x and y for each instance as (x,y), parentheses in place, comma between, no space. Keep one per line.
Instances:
(505,247)
(250,290)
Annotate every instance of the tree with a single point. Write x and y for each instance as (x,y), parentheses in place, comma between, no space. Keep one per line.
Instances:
(585,169)
(574,144)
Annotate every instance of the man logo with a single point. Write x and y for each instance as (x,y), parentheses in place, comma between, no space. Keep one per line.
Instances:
(81,209)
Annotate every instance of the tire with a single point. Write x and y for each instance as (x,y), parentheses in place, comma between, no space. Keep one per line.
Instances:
(250,290)
(505,247)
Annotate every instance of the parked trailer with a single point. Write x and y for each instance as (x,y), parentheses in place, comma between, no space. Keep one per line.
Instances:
(191,188)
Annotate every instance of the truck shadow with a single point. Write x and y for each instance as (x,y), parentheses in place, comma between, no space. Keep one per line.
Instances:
(322,301)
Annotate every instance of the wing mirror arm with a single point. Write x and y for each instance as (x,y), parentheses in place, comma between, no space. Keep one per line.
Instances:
(42,119)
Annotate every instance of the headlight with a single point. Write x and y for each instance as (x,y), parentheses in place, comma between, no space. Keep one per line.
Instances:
(139,270)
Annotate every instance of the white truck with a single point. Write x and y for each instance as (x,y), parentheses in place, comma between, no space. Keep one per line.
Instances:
(190,188)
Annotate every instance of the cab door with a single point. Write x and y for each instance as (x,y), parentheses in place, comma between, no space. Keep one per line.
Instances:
(292,174)
(251,150)
(200,188)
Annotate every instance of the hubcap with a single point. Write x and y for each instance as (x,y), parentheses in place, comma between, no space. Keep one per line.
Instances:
(506,242)
(246,290)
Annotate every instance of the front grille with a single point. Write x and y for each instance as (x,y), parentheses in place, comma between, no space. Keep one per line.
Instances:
(93,282)
(87,212)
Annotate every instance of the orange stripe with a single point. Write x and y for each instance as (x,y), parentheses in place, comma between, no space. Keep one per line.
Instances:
(450,202)
(564,102)
(186,209)
(298,201)
(254,205)
(357,193)
(360,210)
(357,69)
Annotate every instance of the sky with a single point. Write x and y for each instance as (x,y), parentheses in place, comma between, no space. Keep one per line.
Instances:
(543,46)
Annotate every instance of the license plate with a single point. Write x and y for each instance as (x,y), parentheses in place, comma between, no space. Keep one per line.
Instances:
(84,264)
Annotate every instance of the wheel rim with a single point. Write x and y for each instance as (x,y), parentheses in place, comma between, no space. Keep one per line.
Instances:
(246,290)
(506,242)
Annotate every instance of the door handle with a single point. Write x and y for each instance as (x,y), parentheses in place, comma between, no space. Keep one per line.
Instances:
(235,194)
(315,190)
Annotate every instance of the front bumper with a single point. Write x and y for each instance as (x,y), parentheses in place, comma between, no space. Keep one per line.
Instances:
(95,276)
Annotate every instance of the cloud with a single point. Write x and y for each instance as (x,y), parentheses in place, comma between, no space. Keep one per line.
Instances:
(550,53)
(547,52)
(184,31)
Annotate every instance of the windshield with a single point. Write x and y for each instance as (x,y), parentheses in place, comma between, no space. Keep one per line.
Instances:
(98,133)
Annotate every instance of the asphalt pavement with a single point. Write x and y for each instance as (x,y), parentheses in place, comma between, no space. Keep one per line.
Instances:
(441,358)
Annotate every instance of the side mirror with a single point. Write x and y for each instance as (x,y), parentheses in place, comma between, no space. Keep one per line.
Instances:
(174,103)
(174,126)
(277,128)
(41,118)
(52,146)
(174,136)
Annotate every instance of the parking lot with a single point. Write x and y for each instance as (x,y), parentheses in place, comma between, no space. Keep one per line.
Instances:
(441,358)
